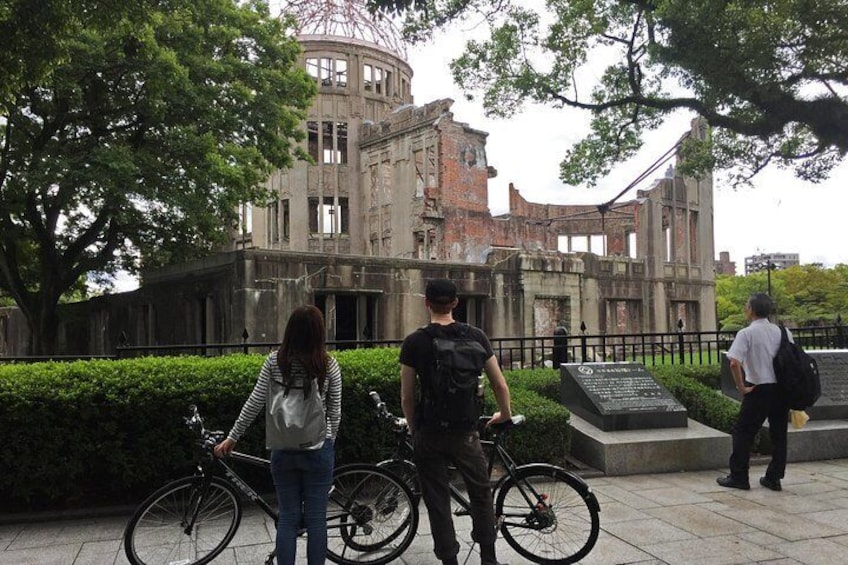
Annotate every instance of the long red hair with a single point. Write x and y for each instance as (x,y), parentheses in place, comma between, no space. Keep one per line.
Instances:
(305,341)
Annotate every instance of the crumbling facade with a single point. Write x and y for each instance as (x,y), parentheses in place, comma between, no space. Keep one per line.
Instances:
(397,194)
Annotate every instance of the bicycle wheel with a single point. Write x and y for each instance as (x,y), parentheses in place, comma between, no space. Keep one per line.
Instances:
(557,525)
(407,472)
(184,523)
(371,516)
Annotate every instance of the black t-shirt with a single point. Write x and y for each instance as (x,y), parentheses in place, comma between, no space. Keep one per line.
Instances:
(417,352)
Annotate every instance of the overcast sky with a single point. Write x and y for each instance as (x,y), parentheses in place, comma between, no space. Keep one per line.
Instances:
(779,214)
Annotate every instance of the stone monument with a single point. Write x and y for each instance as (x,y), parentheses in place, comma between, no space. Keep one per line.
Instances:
(619,396)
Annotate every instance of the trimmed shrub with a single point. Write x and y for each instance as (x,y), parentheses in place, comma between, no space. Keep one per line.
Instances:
(109,432)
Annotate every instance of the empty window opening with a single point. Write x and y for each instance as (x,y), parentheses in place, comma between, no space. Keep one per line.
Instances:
(312,68)
(579,243)
(631,245)
(332,217)
(341,73)
(368,77)
(274,222)
(326,71)
(598,244)
(667,241)
(286,219)
(312,135)
(378,80)
(419,172)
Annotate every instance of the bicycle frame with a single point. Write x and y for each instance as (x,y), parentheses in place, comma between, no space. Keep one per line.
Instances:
(496,452)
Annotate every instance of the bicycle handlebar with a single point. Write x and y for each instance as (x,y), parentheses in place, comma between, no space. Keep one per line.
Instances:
(400,424)
(208,438)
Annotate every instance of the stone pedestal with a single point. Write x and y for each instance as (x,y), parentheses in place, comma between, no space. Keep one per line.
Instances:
(619,396)
(628,452)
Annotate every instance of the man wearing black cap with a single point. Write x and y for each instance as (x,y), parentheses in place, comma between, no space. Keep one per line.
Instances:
(439,443)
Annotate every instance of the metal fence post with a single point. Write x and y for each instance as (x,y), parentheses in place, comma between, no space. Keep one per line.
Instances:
(244,336)
(680,343)
(583,349)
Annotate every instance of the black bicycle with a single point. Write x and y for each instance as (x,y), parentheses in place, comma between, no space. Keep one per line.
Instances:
(372,516)
(547,514)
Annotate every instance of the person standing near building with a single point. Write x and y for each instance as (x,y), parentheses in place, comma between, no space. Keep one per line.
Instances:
(751,356)
(302,477)
(438,444)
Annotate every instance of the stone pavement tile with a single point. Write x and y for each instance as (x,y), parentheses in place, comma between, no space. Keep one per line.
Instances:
(42,534)
(793,503)
(631,499)
(814,551)
(640,483)
(647,532)
(841,540)
(99,553)
(672,496)
(612,511)
(698,520)
(257,554)
(696,481)
(729,499)
(44,555)
(721,550)
(8,533)
(610,549)
(836,518)
(791,527)
(761,538)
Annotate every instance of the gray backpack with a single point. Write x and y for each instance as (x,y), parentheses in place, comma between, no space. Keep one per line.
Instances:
(294,417)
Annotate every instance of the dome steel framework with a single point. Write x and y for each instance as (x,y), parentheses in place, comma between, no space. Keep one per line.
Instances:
(345,18)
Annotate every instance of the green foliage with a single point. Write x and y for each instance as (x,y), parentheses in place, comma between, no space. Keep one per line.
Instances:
(109,432)
(804,295)
(768,76)
(132,132)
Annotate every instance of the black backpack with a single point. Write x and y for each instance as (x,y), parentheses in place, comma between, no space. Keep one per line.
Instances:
(797,374)
(451,397)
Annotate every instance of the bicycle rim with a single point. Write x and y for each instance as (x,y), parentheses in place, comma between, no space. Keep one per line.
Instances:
(407,472)
(160,532)
(561,528)
(371,516)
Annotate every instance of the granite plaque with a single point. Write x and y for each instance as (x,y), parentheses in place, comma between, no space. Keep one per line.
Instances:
(833,370)
(619,396)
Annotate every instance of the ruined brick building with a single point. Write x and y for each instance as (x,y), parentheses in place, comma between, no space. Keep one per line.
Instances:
(398,193)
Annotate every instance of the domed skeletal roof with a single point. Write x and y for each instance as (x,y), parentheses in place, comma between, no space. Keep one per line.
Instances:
(345,18)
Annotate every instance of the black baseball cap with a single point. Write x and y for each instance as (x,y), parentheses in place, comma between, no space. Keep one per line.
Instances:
(440,291)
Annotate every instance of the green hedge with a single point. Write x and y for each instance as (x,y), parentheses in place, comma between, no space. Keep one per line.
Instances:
(109,432)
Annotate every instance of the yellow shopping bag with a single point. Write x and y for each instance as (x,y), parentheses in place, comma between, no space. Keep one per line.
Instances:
(798,418)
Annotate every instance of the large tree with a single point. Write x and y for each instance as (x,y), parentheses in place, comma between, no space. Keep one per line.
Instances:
(770,76)
(132,131)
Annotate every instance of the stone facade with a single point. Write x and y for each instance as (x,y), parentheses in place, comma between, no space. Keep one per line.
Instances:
(397,194)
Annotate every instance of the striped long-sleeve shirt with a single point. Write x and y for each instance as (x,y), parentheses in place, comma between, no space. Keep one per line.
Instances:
(332,396)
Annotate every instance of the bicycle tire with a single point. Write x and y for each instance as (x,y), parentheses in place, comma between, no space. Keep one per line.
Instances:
(565,531)
(407,471)
(156,533)
(371,516)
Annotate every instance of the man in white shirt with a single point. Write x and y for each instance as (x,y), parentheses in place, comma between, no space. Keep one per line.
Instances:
(751,356)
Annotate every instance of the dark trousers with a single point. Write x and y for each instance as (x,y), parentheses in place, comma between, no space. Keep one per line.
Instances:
(764,402)
(433,451)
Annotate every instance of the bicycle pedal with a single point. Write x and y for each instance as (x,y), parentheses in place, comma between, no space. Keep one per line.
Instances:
(461,512)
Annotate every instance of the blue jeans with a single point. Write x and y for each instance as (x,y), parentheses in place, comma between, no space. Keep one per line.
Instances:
(302,480)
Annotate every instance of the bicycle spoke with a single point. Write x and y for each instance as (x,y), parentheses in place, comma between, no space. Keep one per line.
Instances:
(560,526)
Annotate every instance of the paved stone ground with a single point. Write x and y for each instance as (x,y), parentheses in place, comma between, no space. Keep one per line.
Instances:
(647,519)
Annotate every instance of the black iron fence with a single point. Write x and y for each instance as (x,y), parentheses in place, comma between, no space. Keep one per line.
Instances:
(528,352)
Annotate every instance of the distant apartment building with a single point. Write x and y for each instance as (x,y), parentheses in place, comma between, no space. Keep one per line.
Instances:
(757,263)
(724,266)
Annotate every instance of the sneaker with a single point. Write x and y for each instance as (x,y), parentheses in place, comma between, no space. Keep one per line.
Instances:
(773,484)
(731,482)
